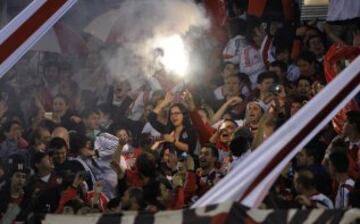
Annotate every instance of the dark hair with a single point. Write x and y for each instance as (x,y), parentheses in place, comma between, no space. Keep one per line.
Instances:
(77,142)
(307,179)
(307,43)
(313,150)
(307,56)
(36,158)
(146,165)
(239,144)
(213,149)
(105,108)
(237,26)
(57,143)
(283,39)
(340,161)
(186,117)
(299,99)
(89,111)
(251,24)
(354,118)
(282,65)
(8,124)
(267,75)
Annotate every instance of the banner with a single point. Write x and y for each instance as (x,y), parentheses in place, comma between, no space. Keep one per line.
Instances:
(215,214)
(21,33)
(251,180)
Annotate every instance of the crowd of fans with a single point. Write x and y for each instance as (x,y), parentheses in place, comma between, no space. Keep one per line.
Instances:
(73,141)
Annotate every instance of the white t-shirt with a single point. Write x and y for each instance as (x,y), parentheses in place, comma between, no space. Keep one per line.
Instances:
(233,49)
(149,129)
(343,10)
(251,63)
(322,201)
(342,195)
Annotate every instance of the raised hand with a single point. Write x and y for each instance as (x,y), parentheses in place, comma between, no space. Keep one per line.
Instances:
(189,101)
(234,100)
(169,138)
(169,98)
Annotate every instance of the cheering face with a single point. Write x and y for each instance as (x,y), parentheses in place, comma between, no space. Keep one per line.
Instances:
(59,156)
(226,131)
(205,158)
(59,105)
(253,112)
(176,116)
(123,135)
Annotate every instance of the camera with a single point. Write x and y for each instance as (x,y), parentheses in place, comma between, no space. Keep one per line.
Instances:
(275,89)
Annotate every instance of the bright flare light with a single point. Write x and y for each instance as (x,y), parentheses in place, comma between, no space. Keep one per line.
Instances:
(175,57)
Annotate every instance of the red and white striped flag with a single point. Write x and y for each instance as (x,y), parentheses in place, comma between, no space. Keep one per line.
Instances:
(21,33)
(251,180)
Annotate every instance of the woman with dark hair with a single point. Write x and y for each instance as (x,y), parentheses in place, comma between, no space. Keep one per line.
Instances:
(178,133)
(64,115)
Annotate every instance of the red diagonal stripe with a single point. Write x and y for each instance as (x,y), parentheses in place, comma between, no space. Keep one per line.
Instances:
(303,133)
(16,39)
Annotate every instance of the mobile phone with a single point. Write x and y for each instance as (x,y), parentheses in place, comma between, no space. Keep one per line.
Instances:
(48,115)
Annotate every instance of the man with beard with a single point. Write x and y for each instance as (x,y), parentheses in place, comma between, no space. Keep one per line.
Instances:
(206,176)
(64,167)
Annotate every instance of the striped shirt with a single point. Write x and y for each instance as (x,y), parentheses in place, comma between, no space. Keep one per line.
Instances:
(342,195)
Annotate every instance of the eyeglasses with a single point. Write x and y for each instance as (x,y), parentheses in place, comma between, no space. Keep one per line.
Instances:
(175,113)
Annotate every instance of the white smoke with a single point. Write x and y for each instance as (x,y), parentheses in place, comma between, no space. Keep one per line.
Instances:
(143,25)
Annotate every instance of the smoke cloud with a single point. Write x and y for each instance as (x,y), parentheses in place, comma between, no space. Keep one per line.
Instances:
(141,24)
